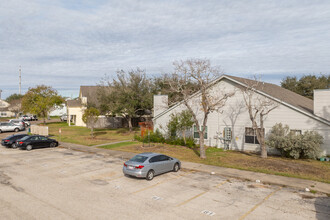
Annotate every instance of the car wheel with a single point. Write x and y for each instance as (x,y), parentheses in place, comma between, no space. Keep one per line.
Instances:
(150,175)
(16,130)
(176,167)
(0,131)
(53,144)
(13,146)
(29,147)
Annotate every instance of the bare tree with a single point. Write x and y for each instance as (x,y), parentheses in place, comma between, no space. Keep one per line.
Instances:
(197,73)
(15,106)
(258,107)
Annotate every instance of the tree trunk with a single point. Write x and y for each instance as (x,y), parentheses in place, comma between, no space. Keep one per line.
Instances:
(92,132)
(184,136)
(263,150)
(261,137)
(202,153)
(129,120)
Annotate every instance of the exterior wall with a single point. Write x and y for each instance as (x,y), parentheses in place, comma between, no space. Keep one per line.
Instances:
(6,114)
(160,104)
(77,113)
(322,103)
(235,115)
(110,122)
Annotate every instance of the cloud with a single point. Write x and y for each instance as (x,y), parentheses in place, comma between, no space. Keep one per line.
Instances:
(69,43)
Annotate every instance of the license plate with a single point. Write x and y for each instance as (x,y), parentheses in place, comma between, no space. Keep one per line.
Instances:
(130,167)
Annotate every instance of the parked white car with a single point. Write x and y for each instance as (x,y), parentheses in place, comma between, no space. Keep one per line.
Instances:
(19,122)
(6,126)
(25,118)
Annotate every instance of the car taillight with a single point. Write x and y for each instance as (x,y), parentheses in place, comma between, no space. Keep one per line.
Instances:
(125,164)
(139,167)
(6,140)
(21,142)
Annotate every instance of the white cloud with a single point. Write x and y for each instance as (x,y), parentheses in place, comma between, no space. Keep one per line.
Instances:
(67,44)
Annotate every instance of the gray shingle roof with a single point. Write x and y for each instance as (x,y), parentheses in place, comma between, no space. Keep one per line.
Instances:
(74,103)
(280,93)
(91,92)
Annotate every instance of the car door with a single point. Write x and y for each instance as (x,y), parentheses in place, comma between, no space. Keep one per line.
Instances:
(44,142)
(167,163)
(156,164)
(35,141)
(6,127)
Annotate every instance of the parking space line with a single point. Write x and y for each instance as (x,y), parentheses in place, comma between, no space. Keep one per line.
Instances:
(202,193)
(192,198)
(220,184)
(257,205)
(176,177)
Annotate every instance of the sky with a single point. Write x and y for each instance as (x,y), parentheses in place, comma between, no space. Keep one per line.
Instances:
(67,43)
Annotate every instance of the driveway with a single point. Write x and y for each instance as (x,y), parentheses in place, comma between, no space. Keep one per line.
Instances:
(64,184)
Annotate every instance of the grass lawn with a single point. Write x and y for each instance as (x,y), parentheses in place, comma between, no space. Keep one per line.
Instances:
(305,169)
(126,143)
(81,135)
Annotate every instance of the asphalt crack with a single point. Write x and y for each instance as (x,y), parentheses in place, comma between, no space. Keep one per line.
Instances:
(5,180)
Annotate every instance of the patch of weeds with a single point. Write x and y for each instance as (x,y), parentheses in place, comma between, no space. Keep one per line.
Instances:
(313,191)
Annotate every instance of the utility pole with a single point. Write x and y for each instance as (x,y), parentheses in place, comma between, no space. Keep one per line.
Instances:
(0,93)
(20,78)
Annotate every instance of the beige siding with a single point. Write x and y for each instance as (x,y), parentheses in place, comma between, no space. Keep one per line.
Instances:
(77,112)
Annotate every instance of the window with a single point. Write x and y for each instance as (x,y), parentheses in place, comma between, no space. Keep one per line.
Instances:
(139,158)
(3,114)
(164,158)
(251,136)
(35,138)
(155,159)
(196,133)
(295,132)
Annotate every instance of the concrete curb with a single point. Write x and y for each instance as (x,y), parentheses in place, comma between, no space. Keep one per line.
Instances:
(222,171)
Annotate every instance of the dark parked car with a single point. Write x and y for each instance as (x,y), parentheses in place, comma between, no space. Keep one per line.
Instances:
(35,141)
(10,141)
(148,165)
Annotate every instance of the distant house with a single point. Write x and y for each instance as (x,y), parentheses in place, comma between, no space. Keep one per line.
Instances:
(5,109)
(299,113)
(76,107)
(88,96)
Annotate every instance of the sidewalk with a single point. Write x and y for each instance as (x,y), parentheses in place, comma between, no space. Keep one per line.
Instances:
(228,172)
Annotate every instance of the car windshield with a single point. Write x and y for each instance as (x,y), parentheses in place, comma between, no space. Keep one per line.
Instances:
(24,138)
(139,158)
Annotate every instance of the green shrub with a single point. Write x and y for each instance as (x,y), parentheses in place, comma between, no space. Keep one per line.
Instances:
(157,137)
(307,145)
(153,137)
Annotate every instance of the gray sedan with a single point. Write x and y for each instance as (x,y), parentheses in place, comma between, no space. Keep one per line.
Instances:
(148,165)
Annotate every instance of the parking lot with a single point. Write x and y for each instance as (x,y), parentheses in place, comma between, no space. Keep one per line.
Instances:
(64,184)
